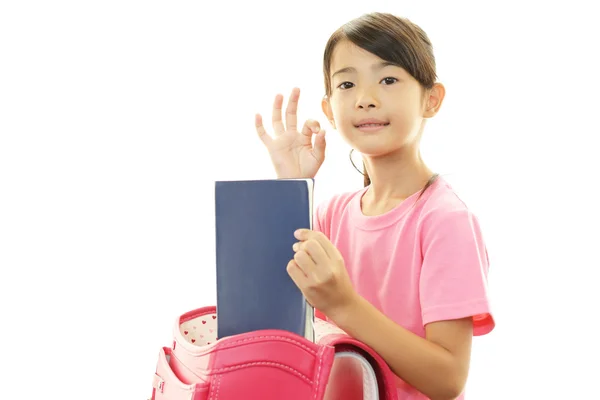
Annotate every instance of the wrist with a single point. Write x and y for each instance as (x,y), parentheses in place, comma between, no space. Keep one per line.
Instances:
(343,312)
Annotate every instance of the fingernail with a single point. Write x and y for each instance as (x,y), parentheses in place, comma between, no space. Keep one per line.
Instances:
(295,247)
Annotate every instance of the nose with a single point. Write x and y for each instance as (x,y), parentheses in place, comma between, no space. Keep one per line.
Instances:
(367,99)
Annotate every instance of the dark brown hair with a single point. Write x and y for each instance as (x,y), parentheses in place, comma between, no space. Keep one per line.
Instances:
(391,38)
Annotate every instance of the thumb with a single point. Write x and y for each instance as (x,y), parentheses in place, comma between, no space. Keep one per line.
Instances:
(320,144)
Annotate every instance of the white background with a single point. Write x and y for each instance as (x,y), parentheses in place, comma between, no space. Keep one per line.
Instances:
(116,117)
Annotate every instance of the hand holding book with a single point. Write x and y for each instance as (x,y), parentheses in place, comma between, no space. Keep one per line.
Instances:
(319,272)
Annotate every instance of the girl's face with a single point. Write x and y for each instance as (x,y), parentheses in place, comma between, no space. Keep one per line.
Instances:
(377,107)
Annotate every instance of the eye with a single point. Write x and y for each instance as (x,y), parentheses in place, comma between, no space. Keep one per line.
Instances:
(389,80)
(345,85)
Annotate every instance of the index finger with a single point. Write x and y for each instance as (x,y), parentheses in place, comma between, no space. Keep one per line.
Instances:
(291,112)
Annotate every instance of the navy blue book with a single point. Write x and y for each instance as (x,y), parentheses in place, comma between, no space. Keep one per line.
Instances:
(255,223)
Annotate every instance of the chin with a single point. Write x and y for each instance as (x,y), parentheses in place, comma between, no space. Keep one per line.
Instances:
(377,146)
(374,151)
(373,147)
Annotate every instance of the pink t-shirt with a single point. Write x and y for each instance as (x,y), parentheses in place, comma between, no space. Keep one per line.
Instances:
(416,263)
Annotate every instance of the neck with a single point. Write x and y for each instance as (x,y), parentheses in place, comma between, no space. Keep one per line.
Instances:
(396,176)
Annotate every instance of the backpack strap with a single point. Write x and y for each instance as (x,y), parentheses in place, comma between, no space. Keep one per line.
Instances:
(330,335)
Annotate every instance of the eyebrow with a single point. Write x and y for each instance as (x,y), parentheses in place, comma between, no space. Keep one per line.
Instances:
(380,65)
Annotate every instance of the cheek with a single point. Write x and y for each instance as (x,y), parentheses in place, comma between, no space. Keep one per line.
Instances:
(401,117)
(342,110)
(405,125)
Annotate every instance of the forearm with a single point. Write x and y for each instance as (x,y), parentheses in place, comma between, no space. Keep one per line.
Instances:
(428,367)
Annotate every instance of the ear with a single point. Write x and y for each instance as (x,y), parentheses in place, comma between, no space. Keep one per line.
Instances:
(434,98)
(326,107)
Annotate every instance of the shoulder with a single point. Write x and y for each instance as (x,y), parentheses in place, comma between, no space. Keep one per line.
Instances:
(443,208)
(445,222)
(332,208)
(338,201)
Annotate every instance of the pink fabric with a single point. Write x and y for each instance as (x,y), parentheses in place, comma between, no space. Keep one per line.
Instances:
(267,364)
(417,263)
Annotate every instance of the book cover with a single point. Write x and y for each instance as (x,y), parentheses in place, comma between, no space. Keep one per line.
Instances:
(255,224)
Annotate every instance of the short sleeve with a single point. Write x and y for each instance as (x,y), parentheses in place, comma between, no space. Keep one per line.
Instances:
(453,281)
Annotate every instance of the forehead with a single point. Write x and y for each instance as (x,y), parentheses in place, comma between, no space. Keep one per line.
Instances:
(347,54)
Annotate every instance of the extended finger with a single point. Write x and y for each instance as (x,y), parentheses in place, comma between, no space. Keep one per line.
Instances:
(292,110)
(260,129)
(277,122)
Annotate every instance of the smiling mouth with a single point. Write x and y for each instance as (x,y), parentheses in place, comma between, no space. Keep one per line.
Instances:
(371,125)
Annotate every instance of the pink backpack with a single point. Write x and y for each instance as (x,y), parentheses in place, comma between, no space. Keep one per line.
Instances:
(267,364)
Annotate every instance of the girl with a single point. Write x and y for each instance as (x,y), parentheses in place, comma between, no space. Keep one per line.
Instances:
(400,264)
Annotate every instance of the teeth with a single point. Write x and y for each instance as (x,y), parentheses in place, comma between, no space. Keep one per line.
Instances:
(372,125)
